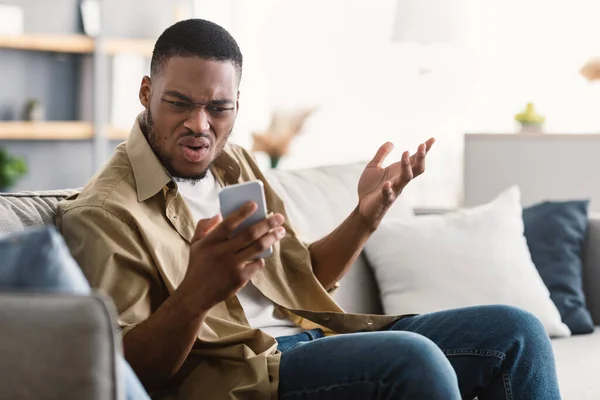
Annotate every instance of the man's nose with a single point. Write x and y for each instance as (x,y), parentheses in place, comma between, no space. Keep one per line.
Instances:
(198,121)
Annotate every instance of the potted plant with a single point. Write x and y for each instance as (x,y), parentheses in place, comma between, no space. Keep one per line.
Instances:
(530,120)
(11,169)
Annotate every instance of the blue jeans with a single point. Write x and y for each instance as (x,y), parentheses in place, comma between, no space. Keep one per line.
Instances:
(39,260)
(489,352)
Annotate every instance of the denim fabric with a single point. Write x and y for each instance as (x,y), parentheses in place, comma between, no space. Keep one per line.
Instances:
(285,343)
(37,259)
(492,352)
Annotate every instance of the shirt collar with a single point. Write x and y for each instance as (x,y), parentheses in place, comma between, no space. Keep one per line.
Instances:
(150,175)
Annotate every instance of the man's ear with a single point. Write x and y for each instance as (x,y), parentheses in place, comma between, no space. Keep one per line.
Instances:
(237,102)
(145,91)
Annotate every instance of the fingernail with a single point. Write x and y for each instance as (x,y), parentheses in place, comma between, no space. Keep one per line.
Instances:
(276,221)
(280,232)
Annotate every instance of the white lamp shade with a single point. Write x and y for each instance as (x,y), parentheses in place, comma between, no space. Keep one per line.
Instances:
(430,21)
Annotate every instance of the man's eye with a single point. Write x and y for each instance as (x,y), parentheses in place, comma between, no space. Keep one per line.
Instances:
(219,109)
(178,104)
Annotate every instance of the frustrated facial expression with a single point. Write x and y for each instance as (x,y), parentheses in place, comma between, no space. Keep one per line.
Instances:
(191,107)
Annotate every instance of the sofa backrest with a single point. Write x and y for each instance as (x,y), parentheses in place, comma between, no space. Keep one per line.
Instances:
(21,210)
(316,199)
(591,267)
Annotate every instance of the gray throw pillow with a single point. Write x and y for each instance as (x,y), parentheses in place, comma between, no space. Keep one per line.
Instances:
(555,233)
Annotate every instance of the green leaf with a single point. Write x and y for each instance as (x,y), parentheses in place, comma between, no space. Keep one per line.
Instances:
(11,169)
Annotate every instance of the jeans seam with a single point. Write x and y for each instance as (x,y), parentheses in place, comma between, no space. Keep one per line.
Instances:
(475,352)
(325,388)
(507,386)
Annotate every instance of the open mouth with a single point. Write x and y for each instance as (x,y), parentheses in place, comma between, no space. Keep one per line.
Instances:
(194,149)
(195,153)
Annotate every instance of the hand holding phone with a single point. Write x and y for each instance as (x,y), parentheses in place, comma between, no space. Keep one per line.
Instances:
(226,251)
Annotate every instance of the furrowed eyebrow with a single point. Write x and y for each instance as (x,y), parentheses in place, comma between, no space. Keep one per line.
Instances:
(183,97)
(180,96)
(222,102)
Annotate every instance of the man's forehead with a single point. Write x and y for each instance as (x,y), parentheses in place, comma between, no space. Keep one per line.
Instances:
(198,77)
(199,68)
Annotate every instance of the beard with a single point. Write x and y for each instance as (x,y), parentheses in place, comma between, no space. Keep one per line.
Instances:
(166,160)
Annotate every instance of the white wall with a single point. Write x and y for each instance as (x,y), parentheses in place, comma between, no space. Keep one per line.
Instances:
(338,54)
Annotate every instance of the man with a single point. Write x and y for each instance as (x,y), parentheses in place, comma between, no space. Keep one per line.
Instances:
(202,318)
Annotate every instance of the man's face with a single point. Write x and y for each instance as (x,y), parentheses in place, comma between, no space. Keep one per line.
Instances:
(190,111)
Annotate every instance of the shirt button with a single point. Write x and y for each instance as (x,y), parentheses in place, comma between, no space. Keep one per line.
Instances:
(370,324)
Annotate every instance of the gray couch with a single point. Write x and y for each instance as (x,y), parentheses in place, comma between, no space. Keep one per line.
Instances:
(317,200)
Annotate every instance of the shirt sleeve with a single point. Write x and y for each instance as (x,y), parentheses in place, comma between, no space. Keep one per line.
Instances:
(112,256)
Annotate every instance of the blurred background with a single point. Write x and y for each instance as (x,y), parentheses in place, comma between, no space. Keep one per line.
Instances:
(338,77)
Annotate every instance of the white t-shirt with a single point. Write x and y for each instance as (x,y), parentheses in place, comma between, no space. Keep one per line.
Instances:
(202,198)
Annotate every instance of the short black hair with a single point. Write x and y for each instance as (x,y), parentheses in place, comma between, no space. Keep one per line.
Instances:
(196,38)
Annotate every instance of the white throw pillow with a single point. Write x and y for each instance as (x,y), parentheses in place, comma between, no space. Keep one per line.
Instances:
(465,258)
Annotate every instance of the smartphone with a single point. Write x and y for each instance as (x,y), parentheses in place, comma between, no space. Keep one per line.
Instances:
(233,197)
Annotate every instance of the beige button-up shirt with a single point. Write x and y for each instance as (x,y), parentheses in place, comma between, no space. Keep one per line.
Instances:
(130,232)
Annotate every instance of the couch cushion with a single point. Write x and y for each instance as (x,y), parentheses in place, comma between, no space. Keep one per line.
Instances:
(461,259)
(317,200)
(21,210)
(578,363)
(555,233)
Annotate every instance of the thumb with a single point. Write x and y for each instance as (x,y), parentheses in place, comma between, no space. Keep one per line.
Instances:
(206,225)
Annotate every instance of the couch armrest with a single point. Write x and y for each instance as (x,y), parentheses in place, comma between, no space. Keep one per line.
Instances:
(58,347)
(591,267)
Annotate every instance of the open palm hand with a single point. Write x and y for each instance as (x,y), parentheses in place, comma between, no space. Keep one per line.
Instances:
(379,187)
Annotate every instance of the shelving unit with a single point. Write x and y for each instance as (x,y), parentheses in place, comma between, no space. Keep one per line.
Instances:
(74,44)
(98,131)
(55,130)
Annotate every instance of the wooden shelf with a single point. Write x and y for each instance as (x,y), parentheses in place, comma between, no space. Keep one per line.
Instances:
(76,44)
(55,130)
(43,42)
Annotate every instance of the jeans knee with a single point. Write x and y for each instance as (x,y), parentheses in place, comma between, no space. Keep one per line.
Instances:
(518,321)
(421,364)
(418,346)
